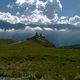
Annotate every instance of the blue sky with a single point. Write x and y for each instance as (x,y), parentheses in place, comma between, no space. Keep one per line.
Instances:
(70,7)
(38,10)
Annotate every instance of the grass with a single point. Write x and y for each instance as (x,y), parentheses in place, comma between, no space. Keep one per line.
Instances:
(29,57)
(7,41)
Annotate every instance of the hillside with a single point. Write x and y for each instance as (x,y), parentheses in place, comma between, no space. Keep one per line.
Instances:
(7,41)
(31,59)
(77,46)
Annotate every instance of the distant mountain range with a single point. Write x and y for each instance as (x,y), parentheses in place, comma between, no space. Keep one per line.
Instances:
(71,40)
(77,46)
(7,25)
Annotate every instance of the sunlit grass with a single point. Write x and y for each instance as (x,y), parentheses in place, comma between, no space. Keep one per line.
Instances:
(29,57)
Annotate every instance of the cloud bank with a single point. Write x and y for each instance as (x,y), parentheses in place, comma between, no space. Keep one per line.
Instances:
(32,11)
(37,12)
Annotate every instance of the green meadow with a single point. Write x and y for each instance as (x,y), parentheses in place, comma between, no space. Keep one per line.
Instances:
(21,59)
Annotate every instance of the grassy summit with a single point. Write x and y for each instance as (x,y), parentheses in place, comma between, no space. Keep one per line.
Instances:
(33,58)
(40,39)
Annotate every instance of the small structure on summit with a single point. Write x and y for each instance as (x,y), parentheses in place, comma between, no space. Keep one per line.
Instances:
(39,38)
(36,35)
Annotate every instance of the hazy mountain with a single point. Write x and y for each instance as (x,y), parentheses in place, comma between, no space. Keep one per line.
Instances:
(77,46)
(58,26)
(7,25)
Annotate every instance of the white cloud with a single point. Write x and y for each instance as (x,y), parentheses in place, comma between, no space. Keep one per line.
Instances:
(9,18)
(18,13)
(63,21)
(41,11)
(35,11)
(60,5)
(10,30)
(24,19)
(63,30)
(48,29)
(20,2)
(75,20)
(28,28)
(33,29)
(38,18)
(38,28)
(63,17)
(10,6)
(2,30)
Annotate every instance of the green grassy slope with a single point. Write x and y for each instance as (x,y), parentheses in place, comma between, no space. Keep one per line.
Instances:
(30,57)
(7,41)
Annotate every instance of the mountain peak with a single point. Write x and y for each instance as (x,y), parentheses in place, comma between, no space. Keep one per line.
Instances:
(39,38)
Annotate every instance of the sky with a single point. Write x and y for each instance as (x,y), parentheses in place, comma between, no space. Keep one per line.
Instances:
(42,12)
(70,7)
(36,11)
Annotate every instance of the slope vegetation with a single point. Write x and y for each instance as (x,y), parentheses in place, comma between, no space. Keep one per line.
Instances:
(33,58)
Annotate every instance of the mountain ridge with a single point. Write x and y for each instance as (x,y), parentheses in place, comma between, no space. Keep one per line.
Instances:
(7,25)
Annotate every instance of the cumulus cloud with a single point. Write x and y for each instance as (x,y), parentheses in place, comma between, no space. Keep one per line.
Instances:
(21,2)
(33,11)
(75,20)
(22,19)
(48,29)
(41,9)
(9,18)
(38,12)
(38,18)
(63,20)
